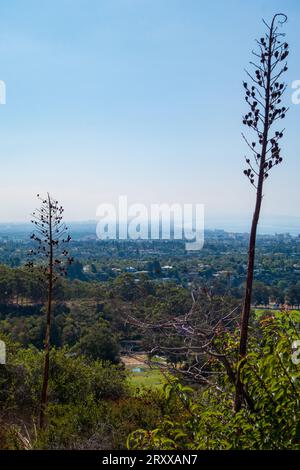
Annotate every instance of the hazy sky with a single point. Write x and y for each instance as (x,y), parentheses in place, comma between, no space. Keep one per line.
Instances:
(136,97)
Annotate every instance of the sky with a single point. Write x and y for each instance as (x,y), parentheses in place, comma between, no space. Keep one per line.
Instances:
(141,98)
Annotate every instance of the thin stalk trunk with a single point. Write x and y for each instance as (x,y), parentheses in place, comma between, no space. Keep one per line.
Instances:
(44,396)
(239,393)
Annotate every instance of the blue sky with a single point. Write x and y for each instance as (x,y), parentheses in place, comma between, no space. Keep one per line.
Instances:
(136,97)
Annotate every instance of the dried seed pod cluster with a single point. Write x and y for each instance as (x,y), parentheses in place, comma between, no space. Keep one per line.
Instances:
(51,239)
(264,96)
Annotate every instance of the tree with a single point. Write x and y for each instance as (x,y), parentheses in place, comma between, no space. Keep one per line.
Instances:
(293,294)
(50,239)
(125,287)
(100,343)
(76,271)
(263,96)
(196,338)
(277,294)
(154,267)
(206,421)
(261,293)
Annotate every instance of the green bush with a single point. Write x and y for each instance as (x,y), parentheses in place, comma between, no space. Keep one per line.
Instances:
(102,425)
(272,380)
(73,379)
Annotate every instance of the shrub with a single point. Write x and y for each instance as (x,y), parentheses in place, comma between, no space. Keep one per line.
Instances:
(272,380)
(73,379)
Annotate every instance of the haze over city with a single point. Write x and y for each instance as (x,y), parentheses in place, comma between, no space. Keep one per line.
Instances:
(136,97)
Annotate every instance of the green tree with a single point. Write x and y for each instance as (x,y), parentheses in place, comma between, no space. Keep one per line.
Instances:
(100,343)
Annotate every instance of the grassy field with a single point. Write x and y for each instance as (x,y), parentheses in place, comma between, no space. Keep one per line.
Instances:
(260,311)
(147,378)
(140,374)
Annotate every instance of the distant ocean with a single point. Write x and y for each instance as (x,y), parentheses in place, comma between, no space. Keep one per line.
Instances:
(267,225)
